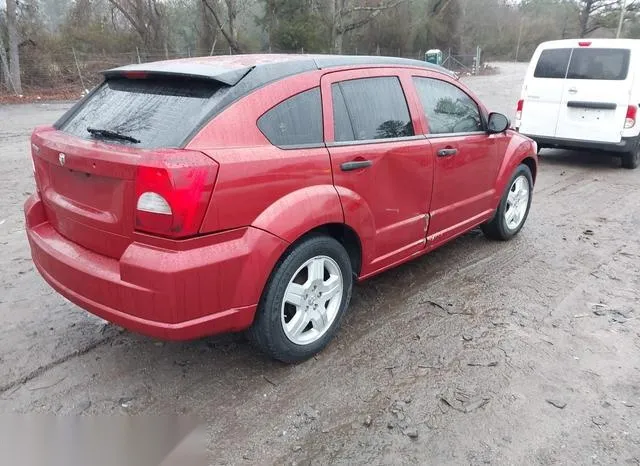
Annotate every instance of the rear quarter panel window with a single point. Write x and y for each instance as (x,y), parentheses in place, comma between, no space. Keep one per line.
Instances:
(158,112)
(553,64)
(375,107)
(448,109)
(296,121)
(601,64)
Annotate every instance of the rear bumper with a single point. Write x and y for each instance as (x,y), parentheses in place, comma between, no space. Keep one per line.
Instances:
(211,285)
(625,144)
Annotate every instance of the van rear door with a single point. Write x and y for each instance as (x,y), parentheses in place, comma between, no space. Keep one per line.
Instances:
(596,94)
(543,92)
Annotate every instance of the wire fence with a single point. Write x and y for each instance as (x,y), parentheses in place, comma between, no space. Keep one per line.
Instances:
(69,73)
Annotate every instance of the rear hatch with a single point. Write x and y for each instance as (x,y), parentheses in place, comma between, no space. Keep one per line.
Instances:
(596,94)
(542,93)
(119,143)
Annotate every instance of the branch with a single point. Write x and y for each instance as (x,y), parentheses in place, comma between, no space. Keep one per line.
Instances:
(138,27)
(374,9)
(374,12)
(230,40)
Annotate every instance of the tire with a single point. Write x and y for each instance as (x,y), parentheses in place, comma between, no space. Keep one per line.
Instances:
(499,227)
(279,329)
(631,160)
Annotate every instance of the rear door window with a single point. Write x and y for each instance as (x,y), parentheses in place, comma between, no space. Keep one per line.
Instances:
(370,108)
(448,109)
(553,63)
(157,112)
(602,64)
(295,122)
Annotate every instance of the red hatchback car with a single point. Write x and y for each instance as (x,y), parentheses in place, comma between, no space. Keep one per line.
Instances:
(192,197)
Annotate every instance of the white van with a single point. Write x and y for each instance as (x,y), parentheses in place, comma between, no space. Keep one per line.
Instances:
(583,94)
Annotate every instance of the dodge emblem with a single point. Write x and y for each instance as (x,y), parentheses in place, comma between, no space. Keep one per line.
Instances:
(61,159)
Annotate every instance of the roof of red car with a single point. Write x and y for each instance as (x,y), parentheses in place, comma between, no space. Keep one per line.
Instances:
(231,69)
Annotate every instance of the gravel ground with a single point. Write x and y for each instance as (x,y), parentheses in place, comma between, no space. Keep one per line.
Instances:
(524,352)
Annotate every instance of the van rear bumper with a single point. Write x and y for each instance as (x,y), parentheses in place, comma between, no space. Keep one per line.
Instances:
(625,144)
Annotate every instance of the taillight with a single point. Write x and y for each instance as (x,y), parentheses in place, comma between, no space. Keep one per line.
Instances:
(630,120)
(172,195)
(35,150)
(519,109)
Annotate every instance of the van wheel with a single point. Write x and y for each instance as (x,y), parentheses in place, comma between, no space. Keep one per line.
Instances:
(631,159)
(304,300)
(514,207)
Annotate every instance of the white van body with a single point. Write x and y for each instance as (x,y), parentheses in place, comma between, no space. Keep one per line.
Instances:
(583,94)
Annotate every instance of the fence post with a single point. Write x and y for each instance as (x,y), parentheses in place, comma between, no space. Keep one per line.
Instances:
(75,58)
(138,54)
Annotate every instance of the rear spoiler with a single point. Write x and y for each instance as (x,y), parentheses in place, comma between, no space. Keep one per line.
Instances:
(228,76)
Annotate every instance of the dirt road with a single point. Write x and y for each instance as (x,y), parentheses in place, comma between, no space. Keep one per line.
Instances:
(525,352)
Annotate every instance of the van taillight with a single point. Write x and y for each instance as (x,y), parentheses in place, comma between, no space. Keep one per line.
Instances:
(519,109)
(630,120)
(173,193)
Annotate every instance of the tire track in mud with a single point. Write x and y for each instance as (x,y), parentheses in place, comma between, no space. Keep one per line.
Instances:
(7,386)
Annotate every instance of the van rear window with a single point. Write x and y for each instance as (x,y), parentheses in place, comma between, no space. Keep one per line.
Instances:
(602,64)
(160,112)
(553,63)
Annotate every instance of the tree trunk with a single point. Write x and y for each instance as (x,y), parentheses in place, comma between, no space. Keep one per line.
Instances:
(234,45)
(14,54)
(584,17)
(4,66)
(336,20)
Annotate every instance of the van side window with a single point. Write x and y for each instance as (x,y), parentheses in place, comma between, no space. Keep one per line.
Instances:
(296,121)
(603,64)
(447,108)
(552,63)
(370,108)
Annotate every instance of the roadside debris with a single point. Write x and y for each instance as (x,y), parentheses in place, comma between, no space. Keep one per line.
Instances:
(557,403)
(483,364)
(464,402)
(411,432)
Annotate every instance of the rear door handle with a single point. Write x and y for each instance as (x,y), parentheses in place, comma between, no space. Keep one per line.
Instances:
(573,90)
(355,165)
(447,152)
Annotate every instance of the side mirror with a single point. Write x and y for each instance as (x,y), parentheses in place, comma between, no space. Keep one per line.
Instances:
(498,123)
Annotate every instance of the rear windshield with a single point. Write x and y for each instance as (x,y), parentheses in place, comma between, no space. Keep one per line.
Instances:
(603,64)
(583,63)
(157,112)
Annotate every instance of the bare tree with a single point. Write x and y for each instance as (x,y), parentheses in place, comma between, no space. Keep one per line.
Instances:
(591,11)
(14,42)
(145,16)
(348,15)
(228,26)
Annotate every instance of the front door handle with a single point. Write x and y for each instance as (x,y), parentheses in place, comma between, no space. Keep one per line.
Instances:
(449,151)
(355,165)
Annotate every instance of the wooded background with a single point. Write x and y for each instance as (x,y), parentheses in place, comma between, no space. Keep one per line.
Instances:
(63,44)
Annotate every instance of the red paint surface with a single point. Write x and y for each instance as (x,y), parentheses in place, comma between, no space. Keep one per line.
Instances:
(206,274)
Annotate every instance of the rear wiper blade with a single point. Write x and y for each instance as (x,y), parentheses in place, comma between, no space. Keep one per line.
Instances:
(107,133)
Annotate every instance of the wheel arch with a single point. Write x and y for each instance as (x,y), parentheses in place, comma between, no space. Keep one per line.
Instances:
(519,151)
